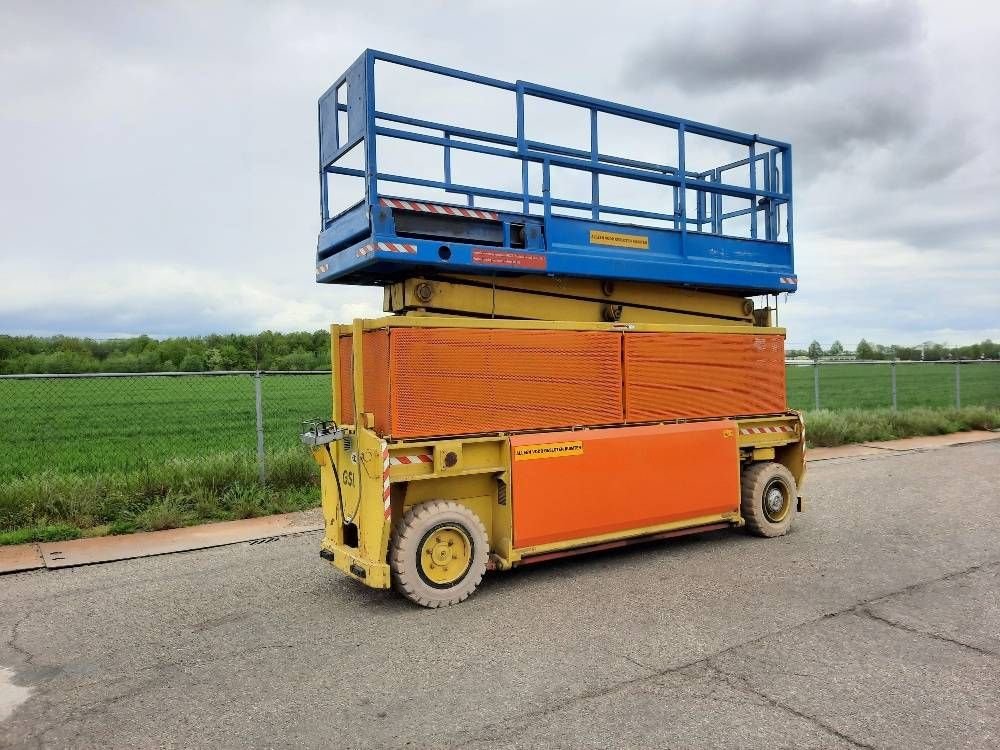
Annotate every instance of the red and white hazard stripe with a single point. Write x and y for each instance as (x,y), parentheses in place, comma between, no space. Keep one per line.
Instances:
(434,208)
(388,247)
(788,280)
(416,458)
(386,505)
(766,429)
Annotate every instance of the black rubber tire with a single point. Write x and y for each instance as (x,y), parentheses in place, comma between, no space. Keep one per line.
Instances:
(757,480)
(404,553)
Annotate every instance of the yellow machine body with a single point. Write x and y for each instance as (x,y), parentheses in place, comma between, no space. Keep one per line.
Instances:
(511,479)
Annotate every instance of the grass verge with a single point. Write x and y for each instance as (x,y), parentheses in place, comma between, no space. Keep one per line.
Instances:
(56,506)
(830,428)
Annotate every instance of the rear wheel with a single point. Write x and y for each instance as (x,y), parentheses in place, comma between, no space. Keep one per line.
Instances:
(768,499)
(438,554)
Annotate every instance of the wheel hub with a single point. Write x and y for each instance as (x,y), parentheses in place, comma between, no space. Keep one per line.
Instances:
(775,500)
(445,555)
(441,554)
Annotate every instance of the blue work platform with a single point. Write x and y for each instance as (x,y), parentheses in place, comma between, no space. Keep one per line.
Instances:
(724,227)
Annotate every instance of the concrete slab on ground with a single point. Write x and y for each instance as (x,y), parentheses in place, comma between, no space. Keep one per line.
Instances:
(151,543)
(928,442)
(854,450)
(18,557)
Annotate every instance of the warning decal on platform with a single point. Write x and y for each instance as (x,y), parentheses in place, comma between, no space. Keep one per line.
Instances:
(634,241)
(509,259)
(548,450)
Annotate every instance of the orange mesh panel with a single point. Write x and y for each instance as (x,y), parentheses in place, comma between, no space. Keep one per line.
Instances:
(452,381)
(375,350)
(345,388)
(687,375)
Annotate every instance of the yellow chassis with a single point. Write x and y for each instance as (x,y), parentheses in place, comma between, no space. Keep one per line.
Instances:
(359,472)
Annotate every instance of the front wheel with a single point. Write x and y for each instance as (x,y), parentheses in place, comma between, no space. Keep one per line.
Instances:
(768,499)
(439,553)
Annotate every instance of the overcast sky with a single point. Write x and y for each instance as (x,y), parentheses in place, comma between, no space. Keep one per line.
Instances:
(159,175)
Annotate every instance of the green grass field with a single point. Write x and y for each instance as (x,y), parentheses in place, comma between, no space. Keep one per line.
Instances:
(112,455)
(99,424)
(850,386)
(96,425)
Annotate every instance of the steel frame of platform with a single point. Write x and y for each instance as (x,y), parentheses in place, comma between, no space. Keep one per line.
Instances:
(388,236)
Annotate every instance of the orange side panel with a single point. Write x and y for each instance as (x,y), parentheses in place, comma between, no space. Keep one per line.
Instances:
(345,388)
(453,381)
(573,484)
(375,350)
(692,375)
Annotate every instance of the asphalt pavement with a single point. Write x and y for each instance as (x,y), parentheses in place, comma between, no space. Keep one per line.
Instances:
(874,623)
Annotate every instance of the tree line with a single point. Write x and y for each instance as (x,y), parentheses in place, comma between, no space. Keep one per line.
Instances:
(69,354)
(311,351)
(928,351)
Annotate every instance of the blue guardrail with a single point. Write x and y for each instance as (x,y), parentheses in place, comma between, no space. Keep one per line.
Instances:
(727,227)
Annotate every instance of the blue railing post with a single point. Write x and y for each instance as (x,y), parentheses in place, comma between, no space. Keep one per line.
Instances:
(772,205)
(682,188)
(786,188)
(447,160)
(702,212)
(519,103)
(371,163)
(595,186)
(716,204)
(768,185)
(753,186)
(546,191)
(324,199)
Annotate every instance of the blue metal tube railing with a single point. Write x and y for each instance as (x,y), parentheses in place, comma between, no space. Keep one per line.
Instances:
(708,186)
(581,164)
(533,199)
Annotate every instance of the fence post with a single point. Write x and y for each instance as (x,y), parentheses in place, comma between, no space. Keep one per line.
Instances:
(893,371)
(259,408)
(958,385)
(816,383)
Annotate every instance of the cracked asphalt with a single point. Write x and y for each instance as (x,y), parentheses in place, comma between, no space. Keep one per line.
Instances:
(874,624)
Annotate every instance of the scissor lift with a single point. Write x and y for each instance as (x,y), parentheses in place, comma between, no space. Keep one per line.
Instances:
(540,344)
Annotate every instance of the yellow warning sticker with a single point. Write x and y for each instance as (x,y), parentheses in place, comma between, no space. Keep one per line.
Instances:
(634,241)
(547,450)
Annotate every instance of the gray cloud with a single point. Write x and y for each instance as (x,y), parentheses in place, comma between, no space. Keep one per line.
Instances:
(891,136)
(780,42)
(829,76)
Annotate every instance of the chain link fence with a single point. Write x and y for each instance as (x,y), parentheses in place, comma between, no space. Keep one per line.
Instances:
(893,385)
(93,424)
